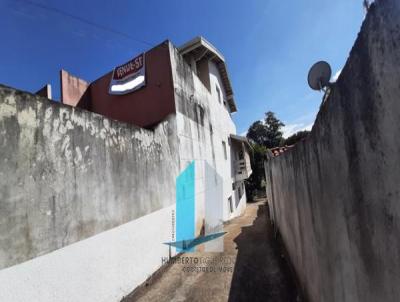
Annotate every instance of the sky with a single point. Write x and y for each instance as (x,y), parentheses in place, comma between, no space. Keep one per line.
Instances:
(269,45)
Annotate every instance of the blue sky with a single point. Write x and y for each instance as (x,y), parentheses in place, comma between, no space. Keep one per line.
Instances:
(269,45)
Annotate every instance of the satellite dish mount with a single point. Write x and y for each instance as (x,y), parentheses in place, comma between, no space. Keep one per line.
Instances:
(319,76)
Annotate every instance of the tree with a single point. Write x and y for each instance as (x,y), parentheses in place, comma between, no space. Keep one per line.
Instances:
(262,134)
(255,182)
(275,135)
(299,136)
(266,133)
(257,133)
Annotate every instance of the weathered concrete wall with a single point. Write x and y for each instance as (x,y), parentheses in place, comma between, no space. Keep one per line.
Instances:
(335,197)
(102,268)
(67,174)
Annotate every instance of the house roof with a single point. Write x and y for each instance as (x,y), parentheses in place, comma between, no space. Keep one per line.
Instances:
(242,139)
(279,150)
(201,48)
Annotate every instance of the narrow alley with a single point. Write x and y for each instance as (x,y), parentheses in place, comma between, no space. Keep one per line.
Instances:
(256,269)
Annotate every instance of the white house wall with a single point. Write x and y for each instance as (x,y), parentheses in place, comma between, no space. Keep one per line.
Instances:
(196,139)
(224,127)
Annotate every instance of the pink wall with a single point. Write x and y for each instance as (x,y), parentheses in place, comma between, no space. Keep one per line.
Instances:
(72,88)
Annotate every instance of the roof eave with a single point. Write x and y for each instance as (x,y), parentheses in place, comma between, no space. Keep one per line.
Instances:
(240,138)
(201,42)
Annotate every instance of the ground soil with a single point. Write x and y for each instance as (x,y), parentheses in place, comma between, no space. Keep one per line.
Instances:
(254,262)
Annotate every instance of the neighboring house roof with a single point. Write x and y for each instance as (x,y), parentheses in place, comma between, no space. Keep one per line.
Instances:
(241,139)
(280,150)
(200,48)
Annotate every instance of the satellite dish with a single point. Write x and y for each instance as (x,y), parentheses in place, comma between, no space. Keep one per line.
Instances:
(319,75)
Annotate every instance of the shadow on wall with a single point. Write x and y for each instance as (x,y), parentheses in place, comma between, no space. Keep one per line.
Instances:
(213,204)
(261,272)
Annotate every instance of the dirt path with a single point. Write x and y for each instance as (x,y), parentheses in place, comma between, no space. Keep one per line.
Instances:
(251,268)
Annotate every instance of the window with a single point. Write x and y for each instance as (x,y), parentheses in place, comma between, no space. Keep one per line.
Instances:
(224,148)
(230,204)
(218,93)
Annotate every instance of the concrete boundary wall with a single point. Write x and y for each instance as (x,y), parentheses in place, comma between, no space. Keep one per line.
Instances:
(105,267)
(67,174)
(335,197)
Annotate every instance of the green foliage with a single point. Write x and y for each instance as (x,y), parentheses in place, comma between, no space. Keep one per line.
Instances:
(263,135)
(256,182)
(291,140)
(266,133)
(257,133)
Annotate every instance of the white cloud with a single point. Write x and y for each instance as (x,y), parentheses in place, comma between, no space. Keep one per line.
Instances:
(308,127)
(290,129)
(336,76)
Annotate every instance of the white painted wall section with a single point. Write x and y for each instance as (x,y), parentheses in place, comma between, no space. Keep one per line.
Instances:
(102,268)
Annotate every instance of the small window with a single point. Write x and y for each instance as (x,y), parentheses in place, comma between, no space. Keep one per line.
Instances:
(218,93)
(224,148)
(230,204)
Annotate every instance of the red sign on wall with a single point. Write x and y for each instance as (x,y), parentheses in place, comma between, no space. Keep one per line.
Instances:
(129,76)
